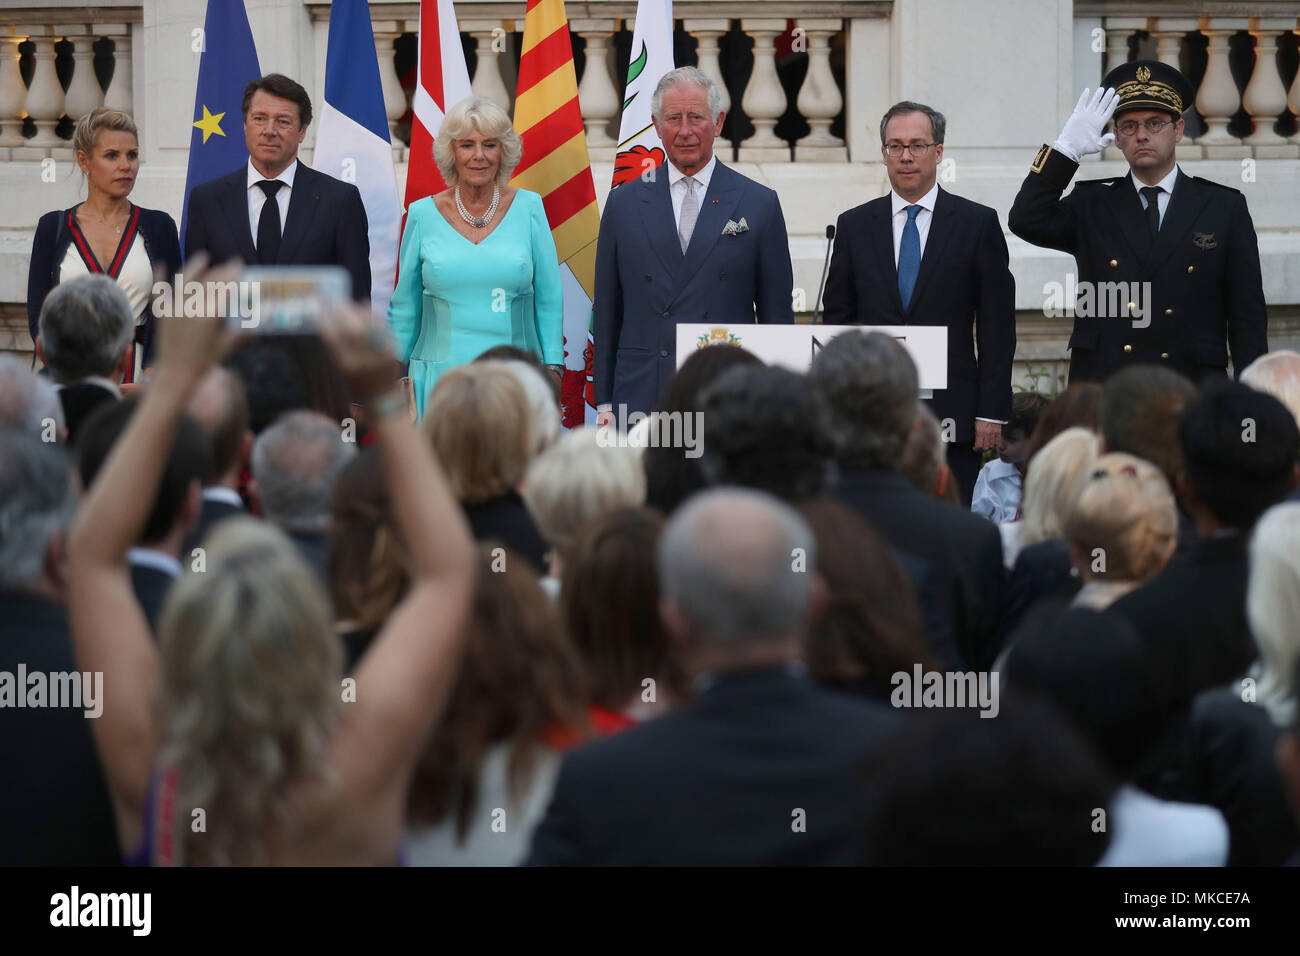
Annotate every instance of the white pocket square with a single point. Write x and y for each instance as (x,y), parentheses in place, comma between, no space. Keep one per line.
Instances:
(733,228)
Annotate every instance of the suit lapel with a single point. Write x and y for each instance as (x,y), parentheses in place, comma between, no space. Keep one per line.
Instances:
(941,228)
(1185,205)
(717,206)
(304,201)
(1126,206)
(657,217)
(235,205)
(881,234)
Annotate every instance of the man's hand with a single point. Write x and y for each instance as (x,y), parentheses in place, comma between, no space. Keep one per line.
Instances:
(1084,131)
(987,435)
(360,345)
(190,345)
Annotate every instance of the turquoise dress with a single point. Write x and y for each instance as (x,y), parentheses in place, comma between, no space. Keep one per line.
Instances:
(455,300)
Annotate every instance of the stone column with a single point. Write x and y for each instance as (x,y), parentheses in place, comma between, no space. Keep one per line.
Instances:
(119,95)
(707,33)
(83,93)
(764,99)
(1265,96)
(1218,98)
(45,95)
(486,81)
(597,94)
(13,92)
(819,98)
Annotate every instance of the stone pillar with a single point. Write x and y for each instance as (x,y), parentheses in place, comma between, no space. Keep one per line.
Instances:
(764,99)
(1218,98)
(1265,96)
(390,84)
(597,94)
(13,92)
(486,81)
(119,95)
(83,93)
(45,95)
(819,98)
(707,33)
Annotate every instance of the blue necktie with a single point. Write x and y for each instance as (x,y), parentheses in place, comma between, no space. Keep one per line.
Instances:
(909,256)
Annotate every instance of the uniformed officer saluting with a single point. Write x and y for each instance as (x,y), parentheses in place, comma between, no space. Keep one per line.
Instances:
(1191,239)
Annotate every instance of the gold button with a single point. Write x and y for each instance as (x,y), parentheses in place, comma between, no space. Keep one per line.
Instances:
(1164,355)
(1169,311)
(1128,348)
(1191,269)
(1114,262)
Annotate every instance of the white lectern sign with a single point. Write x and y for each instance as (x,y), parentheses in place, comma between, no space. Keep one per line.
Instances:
(794,345)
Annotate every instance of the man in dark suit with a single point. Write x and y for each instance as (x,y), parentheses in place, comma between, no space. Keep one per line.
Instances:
(278,211)
(221,410)
(1239,458)
(762,766)
(869,383)
(692,241)
(54,805)
(86,340)
(1168,263)
(155,561)
(922,256)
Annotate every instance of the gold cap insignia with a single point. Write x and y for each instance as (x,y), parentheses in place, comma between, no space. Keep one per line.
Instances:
(1143,74)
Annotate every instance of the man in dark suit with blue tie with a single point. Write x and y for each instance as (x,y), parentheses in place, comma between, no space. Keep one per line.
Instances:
(277,210)
(922,256)
(691,241)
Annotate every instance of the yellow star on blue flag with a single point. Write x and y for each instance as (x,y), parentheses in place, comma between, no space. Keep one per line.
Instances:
(210,124)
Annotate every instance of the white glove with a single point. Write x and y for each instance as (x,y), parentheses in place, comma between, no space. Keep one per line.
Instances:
(1084,130)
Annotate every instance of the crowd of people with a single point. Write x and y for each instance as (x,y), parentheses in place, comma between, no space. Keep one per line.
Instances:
(484,640)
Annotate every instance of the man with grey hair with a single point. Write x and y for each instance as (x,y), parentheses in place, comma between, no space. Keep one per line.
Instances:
(87,340)
(1277,373)
(692,242)
(295,464)
(923,256)
(761,767)
(29,402)
(870,385)
(54,805)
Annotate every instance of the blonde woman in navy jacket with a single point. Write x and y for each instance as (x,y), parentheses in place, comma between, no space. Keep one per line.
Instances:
(106,233)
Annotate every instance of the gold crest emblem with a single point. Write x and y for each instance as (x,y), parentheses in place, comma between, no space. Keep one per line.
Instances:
(717,337)
(1143,74)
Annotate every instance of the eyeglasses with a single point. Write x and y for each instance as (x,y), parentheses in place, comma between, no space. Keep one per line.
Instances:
(1153,126)
(895,150)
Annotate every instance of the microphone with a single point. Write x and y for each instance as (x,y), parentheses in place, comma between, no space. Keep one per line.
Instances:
(830,235)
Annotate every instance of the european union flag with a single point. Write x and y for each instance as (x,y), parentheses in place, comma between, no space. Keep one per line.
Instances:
(227,64)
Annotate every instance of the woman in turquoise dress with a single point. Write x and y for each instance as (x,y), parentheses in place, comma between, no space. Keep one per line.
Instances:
(478,265)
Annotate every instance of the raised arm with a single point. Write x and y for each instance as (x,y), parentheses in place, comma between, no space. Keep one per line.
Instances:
(109,629)
(404,680)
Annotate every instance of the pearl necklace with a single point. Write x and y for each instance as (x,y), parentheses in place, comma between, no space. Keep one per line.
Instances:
(478,222)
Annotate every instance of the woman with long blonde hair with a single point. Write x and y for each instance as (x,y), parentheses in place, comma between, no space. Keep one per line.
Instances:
(236,740)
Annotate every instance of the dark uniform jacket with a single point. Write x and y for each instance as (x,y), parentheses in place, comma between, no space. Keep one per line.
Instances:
(1206,292)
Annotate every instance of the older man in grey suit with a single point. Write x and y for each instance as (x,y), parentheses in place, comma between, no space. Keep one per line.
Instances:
(693,242)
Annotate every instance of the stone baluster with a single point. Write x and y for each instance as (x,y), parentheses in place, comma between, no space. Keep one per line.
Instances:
(1218,98)
(83,93)
(13,92)
(119,95)
(597,94)
(1169,33)
(1118,32)
(390,84)
(764,99)
(45,95)
(1293,102)
(486,81)
(819,98)
(707,33)
(1265,96)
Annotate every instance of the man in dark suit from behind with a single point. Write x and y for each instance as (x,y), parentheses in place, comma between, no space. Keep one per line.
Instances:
(1239,458)
(155,560)
(54,805)
(923,256)
(87,332)
(276,210)
(869,383)
(1140,409)
(760,768)
(221,410)
(295,465)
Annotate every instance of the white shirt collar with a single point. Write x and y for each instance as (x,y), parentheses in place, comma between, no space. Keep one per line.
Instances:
(152,558)
(702,177)
(927,201)
(104,383)
(222,494)
(1166,184)
(285,177)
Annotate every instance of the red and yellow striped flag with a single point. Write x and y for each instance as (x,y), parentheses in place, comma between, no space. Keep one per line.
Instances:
(556,165)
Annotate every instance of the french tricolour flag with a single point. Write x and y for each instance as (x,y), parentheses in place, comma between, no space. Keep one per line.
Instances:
(352,140)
